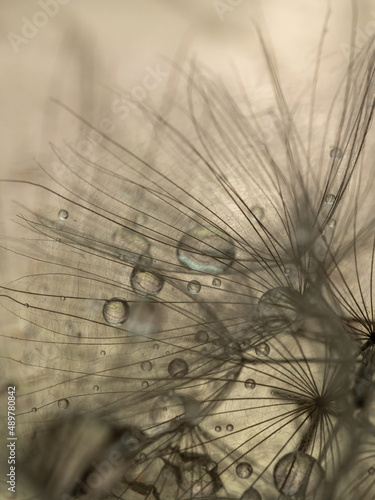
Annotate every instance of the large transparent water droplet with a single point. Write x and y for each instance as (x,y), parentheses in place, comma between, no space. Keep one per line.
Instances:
(262,350)
(250,384)
(63,404)
(63,214)
(251,494)
(178,368)
(116,311)
(207,250)
(194,287)
(297,474)
(244,470)
(201,337)
(146,283)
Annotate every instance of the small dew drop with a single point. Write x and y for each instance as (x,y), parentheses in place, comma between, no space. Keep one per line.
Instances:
(257,214)
(116,311)
(27,306)
(371,471)
(156,347)
(62,299)
(216,282)
(63,214)
(331,223)
(330,199)
(95,388)
(262,350)
(250,384)
(201,337)
(229,427)
(194,287)
(34,410)
(218,428)
(145,384)
(244,470)
(102,353)
(63,404)
(178,368)
(146,366)
(335,153)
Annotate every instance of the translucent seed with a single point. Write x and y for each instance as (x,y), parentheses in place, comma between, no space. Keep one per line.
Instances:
(194,287)
(146,283)
(244,470)
(207,250)
(201,337)
(146,366)
(257,214)
(262,350)
(229,427)
(218,428)
(250,384)
(63,404)
(116,311)
(63,214)
(178,368)
(216,282)
(297,474)
(330,199)
(251,494)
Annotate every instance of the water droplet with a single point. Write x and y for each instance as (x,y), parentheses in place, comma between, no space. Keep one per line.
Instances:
(335,153)
(96,388)
(244,470)
(233,350)
(178,368)
(251,494)
(330,199)
(156,347)
(167,472)
(194,287)
(201,337)
(250,384)
(34,410)
(257,214)
(145,384)
(63,404)
(262,350)
(146,366)
(146,283)
(116,311)
(371,471)
(278,307)
(216,282)
(218,428)
(102,353)
(297,474)
(62,299)
(142,457)
(331,223)
(27,306)
(207,250)
(63,214)
(229,427)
